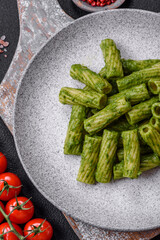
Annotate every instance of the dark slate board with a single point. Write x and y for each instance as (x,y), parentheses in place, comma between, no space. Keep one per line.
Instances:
(9,26)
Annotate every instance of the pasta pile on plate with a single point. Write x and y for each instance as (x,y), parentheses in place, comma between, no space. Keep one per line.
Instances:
(111,124)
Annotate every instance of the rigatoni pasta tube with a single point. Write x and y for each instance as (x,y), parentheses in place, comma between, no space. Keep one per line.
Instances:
(86,88)
(106,157)
(156,110)
(89,159)
(139,77)
(130,65)
(135,94)
(154,85)
(107,115)
(75,133)
(143,150)
(121,124)
(131,153)
(118,170)
(120,141)
(91,99)
(90,78)
(112,81)
(102,72)
(148,162)
(155,122)
(92,110)
(114,86)
(112,59)
(151,136)
(141,111)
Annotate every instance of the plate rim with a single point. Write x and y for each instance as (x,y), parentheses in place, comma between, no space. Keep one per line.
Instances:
(14,116)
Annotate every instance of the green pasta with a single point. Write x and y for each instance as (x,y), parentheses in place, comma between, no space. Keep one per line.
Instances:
(75,133)
(106,157)
(120,142)
(155,122)
(91,99)
(112,59)
(118,170)
(156,110)
(107,115)
(89,159)
(90,78)
(115,134)
(151,136)
(130,65)
(131,153)
(120,154)
(139,77)
(135,94)
(120,125)
(154,85)
(102,72)
(140,111)
(94,110)
(141,124)
(86,88)
(148,162)
(143,150)
(113,82)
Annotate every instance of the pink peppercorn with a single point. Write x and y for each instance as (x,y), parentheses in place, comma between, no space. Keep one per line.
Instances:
(99,3)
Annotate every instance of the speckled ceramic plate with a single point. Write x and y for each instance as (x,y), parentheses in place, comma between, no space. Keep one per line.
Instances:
(40,122)
(87,7)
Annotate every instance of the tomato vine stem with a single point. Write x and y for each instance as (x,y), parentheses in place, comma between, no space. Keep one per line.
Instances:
(11,226)
(35,231)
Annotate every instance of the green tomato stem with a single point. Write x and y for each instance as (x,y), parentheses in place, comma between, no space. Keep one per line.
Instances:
(11,226)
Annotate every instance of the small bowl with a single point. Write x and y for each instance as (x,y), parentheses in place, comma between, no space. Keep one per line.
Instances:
(85,6)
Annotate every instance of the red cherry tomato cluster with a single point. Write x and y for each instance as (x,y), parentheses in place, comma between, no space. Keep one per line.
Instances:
(99,3)
(4,227)
(19,210)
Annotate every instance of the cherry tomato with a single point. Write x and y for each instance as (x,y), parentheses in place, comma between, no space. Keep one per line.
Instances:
(1,216)
(3,163)
(46,235)
(4,227)
(20,216)
(11,179)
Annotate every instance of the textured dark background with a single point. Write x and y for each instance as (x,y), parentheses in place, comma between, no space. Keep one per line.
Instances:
(71,9)
(9,26)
